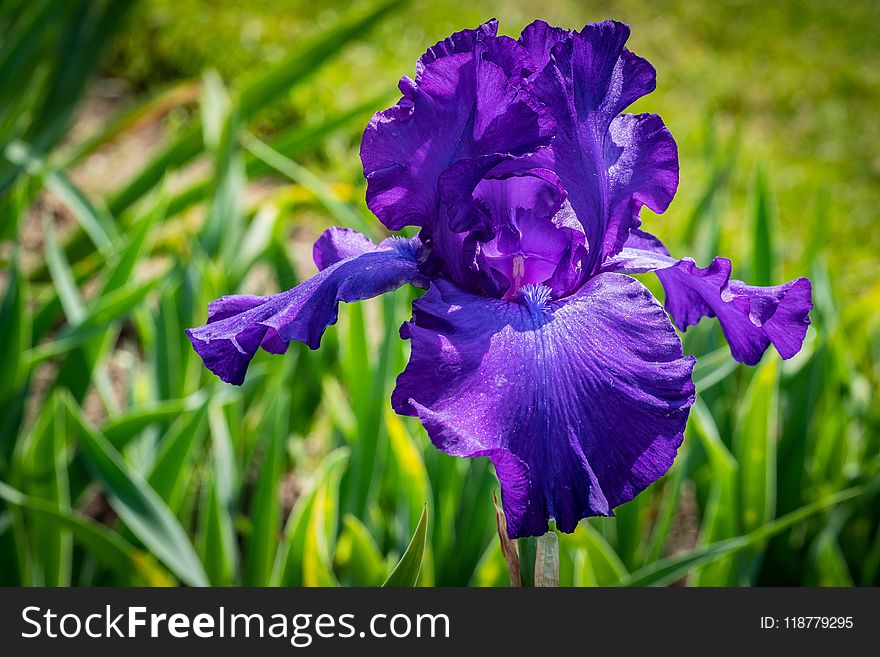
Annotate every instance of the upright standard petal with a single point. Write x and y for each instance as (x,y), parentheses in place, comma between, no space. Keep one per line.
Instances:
(610,165)
(238,325)
(463,105)
(539,38)
(751,317)
(463,114)
(579,403)
(642,162)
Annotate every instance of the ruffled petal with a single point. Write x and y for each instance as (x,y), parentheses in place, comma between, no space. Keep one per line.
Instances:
(609,167)
(337,244)
(642,161)
(456,44)
(539,38)
(239,324)
(462,105)
(751,317)
(580,404)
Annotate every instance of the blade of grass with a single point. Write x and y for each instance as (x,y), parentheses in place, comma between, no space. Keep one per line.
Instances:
(409,468)
(406,572)
(289,559)
(15,331)
(265,509)
(667,510)
(721,517)
(666,571)
(219,543)
(339,210)
(42,461)
(290,143)
(62,277)
(97,224)
(762,233)
(320,538)
(137,504)
(358,558)
(755,449)
(605,566)
(150,109)
(176,453)
(109,548)
(14,334)
(266,89)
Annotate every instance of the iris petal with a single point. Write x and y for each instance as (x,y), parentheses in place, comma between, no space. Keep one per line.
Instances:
(337,243)
(580,403)
(461,106)
(239,324)
(610,165)
(465,113)
(751,317)
(642,161)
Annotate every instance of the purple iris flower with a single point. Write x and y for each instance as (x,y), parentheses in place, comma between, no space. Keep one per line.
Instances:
(532,345)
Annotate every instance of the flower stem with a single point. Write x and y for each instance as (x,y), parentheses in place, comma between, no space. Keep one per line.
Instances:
(528,551)
(547,561)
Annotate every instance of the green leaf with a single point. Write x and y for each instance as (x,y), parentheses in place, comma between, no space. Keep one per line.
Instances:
(106,546)
(290,557)
(671,569)
(755,446)
(48,69)
(721,517)
(62,277)
(830,563)
(528,552)
(151,108)
(713,368)
(137,504)
(762,233)
(97,224)
(406,572)
(755,443)
(42,467)
(358,558)
(218,546)
(254,243)
(265,508)
(320,537)
(628,522)
(412,477)
(221,230)
(341,212)
(121,429)
(668,508)
(14,334)
(290,143)
(601,566)
(302,61)
(168,476)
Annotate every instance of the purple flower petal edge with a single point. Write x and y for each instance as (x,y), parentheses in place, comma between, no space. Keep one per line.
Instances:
(751,317)
(239,325)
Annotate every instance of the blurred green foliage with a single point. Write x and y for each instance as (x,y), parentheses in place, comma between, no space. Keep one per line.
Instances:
(797,80)
(123,461)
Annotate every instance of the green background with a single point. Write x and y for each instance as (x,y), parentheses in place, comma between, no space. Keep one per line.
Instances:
(159,154)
